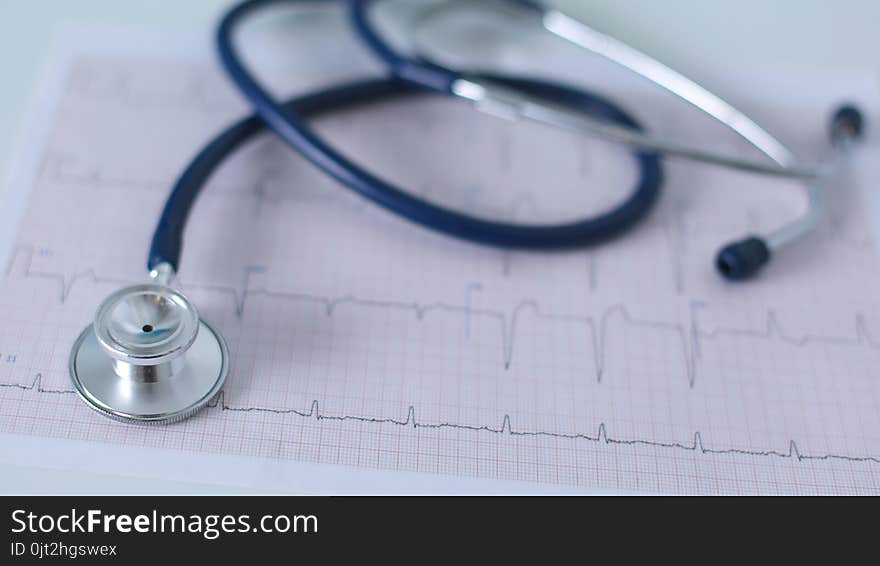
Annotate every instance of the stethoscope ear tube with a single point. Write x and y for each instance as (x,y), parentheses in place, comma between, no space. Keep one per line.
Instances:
(847,125)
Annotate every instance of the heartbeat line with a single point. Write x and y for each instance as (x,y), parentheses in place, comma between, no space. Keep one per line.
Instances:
(506,428)
(688,336)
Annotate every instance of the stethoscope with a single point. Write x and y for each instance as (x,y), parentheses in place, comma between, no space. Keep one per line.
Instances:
(149,358)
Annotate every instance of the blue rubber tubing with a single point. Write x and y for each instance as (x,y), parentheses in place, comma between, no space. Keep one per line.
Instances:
(289,120)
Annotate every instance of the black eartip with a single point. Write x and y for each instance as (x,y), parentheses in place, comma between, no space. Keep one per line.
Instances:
(743,259)
(847,123)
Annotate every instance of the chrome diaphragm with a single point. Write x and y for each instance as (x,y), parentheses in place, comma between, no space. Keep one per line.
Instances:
(148,357)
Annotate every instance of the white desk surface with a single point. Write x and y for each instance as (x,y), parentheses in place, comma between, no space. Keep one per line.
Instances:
(788,33)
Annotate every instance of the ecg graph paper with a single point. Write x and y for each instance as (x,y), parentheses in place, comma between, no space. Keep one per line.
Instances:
(359,339)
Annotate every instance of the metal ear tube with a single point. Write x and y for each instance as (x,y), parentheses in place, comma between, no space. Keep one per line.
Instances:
(737,261)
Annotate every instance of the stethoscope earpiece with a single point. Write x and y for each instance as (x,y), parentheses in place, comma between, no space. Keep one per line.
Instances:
(847,124)
(743,259)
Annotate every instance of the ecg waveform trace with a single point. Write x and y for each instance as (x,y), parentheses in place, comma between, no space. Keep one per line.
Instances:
(601,436)
(689,334)
(507,322)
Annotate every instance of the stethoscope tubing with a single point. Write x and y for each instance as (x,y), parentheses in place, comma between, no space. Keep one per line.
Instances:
(289,122)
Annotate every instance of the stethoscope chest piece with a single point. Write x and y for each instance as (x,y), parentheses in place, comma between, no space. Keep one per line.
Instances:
(148,357)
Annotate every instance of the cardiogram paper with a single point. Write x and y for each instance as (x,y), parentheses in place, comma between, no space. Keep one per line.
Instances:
(358,338)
